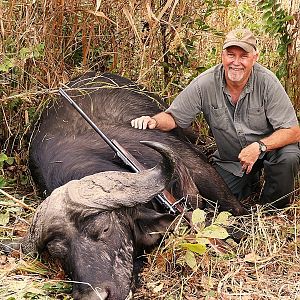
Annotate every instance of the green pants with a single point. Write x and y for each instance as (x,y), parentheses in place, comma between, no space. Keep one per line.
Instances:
(280,168)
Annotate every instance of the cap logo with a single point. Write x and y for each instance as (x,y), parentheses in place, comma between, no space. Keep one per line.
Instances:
(239,35)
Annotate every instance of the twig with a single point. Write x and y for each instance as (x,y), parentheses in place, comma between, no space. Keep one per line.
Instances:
(16,200)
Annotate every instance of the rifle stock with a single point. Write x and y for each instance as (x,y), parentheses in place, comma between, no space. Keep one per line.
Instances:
(165,198)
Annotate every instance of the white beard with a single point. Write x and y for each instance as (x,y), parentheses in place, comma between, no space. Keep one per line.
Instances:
(236,76)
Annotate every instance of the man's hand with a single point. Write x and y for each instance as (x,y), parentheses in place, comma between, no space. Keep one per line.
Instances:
(144,122)
(248,156)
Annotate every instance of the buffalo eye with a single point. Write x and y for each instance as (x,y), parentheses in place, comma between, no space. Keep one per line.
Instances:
(97,226)
(100,232)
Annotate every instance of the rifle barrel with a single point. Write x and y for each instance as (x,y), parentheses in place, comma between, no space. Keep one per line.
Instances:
(85,116)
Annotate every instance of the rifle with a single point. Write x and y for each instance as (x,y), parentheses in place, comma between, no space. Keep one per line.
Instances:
(165,198)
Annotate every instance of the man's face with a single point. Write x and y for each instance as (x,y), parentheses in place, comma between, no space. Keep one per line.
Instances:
(238,64)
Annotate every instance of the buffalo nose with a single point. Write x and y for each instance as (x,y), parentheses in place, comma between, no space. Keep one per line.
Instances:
(95,295)
(103,295)
(104,291)
(91,294)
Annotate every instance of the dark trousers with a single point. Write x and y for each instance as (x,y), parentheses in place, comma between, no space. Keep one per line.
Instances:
(280,168)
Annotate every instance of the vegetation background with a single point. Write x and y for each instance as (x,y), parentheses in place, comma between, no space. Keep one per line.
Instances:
(163,45)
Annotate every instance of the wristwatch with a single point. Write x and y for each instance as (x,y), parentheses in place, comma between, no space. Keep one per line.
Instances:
(262,147)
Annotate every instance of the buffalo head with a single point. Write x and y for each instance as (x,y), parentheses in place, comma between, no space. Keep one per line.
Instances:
(93,226)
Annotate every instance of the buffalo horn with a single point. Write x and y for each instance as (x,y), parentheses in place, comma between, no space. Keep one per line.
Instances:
(111,190)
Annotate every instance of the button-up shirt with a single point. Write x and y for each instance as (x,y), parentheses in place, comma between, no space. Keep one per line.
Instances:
(262,108)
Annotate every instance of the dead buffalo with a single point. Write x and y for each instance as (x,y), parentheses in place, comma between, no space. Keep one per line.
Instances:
(96,221)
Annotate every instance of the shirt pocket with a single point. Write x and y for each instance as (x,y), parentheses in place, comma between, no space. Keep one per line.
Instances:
(257,119)
(219,118)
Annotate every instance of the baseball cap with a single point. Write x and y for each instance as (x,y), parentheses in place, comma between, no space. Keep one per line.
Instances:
(243,38)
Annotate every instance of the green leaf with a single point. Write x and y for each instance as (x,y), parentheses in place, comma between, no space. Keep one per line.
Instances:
(25,53)
(282,49)
(15,103)
(287,18)
(10,160)
(211,294)
(196,248)
(4,218)
(24,179)
(202,240)
(266,4)
(198,216)
(2,180)
(39,50)
(215,231)
(266,15)
(270,21)
(285,40)
(276,6)
(190,260)
(6,65)
(222,218)
(280,14)
(62,287)
(3,157)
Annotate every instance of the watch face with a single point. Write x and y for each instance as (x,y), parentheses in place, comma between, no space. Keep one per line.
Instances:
(263,147)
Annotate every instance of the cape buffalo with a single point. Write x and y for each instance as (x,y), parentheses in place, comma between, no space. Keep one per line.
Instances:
(99,216)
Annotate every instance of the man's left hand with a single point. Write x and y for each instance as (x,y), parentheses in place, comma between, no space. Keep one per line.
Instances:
(248,156)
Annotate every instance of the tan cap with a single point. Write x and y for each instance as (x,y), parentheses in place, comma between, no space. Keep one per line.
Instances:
(243,38)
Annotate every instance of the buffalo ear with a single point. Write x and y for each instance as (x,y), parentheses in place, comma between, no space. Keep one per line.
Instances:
(150,226)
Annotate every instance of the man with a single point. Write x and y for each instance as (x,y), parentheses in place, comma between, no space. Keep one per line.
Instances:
(251,117)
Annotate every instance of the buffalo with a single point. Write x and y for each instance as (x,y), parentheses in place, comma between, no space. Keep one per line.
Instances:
(98,215)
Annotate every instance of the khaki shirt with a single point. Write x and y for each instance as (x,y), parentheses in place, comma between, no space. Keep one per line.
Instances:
(262,108)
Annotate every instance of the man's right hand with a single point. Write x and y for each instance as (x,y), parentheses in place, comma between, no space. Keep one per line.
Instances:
(144,122)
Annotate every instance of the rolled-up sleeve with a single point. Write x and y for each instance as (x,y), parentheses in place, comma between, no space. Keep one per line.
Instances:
(186,105)
(279,108)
